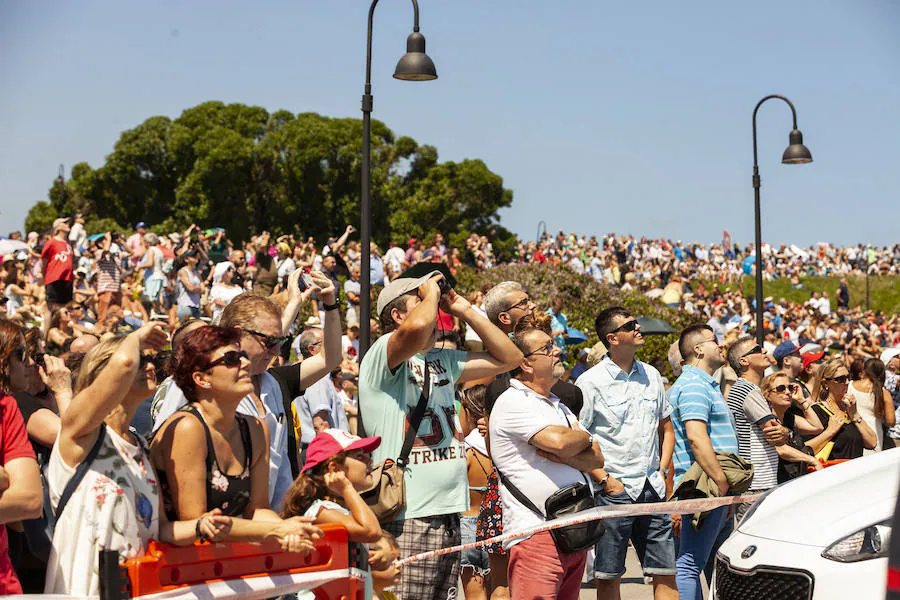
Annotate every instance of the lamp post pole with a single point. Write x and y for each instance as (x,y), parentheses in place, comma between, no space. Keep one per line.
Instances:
(61,182)
(868,268)
(413,66)
(796,153)
(541,225)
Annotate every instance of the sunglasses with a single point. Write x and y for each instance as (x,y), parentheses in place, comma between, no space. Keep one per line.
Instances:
(755,350)
(783,388)
(629,326)
(547,349)
(270,341)
(520,304)
(841,379)
(146,359)
(232,358)
(21,352)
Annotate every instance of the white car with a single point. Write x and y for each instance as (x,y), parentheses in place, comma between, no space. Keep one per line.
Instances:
(824,535)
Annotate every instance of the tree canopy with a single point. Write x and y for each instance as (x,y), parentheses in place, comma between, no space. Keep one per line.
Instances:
(245,169)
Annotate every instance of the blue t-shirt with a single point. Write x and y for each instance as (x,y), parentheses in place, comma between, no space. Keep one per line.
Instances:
(558,322)
(696,396)
(436,480)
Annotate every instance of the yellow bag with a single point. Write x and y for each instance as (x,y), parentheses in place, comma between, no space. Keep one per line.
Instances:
(825,452)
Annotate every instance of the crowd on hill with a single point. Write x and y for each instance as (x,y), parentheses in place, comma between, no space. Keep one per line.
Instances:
(163,387)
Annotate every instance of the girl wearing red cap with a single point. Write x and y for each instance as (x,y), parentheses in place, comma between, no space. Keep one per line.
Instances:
(338,465)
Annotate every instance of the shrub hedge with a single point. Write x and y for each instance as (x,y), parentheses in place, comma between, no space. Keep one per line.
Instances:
(583,297)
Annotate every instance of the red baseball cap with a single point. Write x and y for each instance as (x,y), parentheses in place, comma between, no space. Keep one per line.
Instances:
(811,357)
(333,441)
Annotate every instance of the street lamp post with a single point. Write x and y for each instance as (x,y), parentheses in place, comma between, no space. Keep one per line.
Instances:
(541,225)
(61,182)
(415,65)
(795,154)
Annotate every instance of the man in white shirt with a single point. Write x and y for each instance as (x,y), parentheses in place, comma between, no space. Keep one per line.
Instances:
(539,446)
(350,341)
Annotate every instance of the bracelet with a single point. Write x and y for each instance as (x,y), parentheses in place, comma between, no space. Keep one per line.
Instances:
(334,306)
(200,536)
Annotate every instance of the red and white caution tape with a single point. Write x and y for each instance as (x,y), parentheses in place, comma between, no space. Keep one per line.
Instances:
(594,514)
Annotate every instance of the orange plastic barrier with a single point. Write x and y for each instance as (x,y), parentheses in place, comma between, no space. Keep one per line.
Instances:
(165,567)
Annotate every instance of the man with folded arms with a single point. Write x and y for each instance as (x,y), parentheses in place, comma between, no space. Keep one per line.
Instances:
(539,447)
(391,377)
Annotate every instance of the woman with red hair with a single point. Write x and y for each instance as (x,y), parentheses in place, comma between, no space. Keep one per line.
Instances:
(209,456)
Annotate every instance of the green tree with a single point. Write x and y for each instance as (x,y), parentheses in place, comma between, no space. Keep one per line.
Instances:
(245,169)
(41,216)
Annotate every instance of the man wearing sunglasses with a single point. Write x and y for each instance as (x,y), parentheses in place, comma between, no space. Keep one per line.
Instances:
(625,406)
(758,431)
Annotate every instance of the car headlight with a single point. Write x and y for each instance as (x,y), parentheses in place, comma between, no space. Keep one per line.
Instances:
(865,544)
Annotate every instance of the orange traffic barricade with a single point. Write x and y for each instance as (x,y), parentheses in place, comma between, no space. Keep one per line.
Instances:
(336,569)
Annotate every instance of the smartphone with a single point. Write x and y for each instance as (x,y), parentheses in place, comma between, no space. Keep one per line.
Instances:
(304,282)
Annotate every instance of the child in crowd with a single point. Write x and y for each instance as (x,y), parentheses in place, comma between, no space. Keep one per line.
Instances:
(338,465)
(385,574)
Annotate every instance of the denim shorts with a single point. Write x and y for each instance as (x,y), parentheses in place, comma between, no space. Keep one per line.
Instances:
(473,558)
(651,536)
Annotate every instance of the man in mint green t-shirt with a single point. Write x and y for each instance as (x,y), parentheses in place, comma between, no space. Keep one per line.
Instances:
(390,383)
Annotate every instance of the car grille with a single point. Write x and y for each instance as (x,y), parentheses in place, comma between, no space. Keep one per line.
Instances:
(761,583)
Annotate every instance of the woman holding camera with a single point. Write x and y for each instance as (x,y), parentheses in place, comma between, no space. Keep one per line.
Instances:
(189,287)
(223,290)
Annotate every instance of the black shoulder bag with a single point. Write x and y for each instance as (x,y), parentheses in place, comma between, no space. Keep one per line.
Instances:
(564,502)
(388,496)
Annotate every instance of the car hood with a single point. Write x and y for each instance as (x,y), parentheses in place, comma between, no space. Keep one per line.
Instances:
(822,507)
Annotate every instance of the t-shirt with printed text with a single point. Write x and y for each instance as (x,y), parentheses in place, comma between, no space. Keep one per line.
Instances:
(58,255)
(436,471)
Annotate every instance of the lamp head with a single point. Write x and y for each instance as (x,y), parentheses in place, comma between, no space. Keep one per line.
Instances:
(796,153)
(415,65)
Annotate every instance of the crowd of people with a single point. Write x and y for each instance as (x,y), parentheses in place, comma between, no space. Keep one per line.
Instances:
(163,387)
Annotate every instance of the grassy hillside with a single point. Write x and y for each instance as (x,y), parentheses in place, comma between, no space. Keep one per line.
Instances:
(884,291)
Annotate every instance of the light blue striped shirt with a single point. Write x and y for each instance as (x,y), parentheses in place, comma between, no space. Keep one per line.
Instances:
(696,397)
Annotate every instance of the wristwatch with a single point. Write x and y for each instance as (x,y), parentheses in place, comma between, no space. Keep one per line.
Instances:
(334,306)
(857,420)
(665,471)
(603,481)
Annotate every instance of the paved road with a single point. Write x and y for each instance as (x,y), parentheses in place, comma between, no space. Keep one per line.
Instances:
(633,586)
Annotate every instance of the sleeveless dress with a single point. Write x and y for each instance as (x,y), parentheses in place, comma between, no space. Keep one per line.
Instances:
(230,493)
(116,506)
(865,404)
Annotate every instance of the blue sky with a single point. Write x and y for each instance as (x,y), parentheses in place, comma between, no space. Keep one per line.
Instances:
(600,116)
